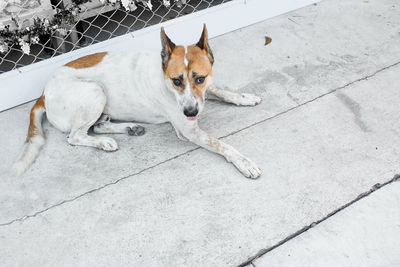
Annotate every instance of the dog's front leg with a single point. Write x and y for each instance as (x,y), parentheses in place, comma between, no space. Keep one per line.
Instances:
(240,99)
(201,138)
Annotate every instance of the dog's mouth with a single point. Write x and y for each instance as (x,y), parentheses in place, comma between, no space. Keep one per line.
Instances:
(192,118)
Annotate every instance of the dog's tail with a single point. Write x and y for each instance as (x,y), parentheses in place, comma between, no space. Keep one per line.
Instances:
(35,139)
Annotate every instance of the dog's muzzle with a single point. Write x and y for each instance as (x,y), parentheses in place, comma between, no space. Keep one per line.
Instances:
(191,112)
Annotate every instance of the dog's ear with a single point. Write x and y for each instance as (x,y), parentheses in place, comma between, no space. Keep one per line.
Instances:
(203,44)
(167,48)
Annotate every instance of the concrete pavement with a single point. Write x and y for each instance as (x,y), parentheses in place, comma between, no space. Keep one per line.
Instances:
(326,131)
(364,234)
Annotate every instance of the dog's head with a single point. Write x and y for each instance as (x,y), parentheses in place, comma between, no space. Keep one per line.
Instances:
(188,72)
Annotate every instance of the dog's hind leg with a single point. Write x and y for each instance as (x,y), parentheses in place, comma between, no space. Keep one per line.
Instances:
(86,111)
(240,99)
(104,125)
(81,138)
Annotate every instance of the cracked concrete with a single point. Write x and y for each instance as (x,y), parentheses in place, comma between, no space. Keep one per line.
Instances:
(262,252)
(161,201)
(341,240)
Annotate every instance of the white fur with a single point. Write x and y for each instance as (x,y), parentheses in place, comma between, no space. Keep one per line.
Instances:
(185,58)
(32,147)
(235,98)
(126,87)
(188,98)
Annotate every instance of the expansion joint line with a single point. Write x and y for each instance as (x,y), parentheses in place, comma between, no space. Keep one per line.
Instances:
(314,99)
(313,224)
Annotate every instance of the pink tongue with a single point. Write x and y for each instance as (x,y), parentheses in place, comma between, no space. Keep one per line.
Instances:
(192,118)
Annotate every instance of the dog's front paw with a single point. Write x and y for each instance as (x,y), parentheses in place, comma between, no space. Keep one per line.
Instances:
(248,100)
(136,130)
(247,167)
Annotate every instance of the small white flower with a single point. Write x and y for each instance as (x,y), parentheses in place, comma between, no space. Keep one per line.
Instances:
(63,31)
(46,23)
(3,47)
(25,47)
(166,3)
(35,39)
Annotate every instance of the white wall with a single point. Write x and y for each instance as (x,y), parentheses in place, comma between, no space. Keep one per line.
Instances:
(25,84)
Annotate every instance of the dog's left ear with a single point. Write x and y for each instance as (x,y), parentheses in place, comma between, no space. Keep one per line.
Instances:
(203,44)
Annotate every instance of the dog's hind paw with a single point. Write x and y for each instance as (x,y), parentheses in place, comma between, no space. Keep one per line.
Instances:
(107,144)
(248,100)
(136,130)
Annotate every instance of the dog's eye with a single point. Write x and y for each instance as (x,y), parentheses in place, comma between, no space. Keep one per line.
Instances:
(177,82)
(200,80)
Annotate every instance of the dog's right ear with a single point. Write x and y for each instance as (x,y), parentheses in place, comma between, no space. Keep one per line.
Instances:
(203,44)
(167,48)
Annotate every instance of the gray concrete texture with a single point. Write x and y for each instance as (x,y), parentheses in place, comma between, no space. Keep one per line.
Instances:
(326,131)
(364,234)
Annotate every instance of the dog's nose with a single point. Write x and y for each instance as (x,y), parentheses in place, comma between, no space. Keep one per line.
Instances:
(190,111)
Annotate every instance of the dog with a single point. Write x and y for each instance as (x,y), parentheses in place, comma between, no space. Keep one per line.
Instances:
(97,89)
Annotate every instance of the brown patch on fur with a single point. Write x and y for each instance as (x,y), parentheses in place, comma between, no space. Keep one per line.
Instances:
(176,65)
(199,63)
(212,142)
(87,61)
(198,60)
(33,129)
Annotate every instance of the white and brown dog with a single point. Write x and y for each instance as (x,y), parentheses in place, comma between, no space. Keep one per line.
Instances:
(137,87)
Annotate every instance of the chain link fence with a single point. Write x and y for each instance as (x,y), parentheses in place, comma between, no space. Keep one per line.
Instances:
(33,30)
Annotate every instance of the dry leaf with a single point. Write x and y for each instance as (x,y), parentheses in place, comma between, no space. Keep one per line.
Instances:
(268,40)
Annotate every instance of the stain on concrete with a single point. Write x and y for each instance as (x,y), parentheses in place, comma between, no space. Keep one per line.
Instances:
(266,77)
(348,58)
(301,72)
(293,98)
(355,108)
